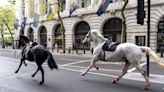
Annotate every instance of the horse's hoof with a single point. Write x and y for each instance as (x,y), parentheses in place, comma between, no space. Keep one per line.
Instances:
(82,74)
(41,83)
(25,65)
(97,68)
(114,81)
(33,76)
(16,71)
(147,87)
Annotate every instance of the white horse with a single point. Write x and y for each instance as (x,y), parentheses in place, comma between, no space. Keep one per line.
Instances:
(129,53)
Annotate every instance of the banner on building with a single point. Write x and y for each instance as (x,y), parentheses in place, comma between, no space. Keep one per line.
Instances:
(36,20)
(16,24)
(73,7)
(51,13)
(23,25)
(103,6)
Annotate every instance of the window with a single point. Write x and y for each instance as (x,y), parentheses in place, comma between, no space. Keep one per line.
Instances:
(112,29)
(63,5)
(160,34)
(140,40)
(80,31)
(85,3)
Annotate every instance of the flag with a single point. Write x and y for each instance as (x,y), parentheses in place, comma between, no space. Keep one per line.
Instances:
(51,13)
(36,20)
(103,7)
(73,7)
(16,24)
(24,22)
(42,7)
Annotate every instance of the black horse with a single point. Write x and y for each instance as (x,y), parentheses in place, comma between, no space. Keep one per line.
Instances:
(34,52)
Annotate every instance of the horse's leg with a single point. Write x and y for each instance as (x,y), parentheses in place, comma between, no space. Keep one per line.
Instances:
(35,73)
(42,72)
(92,64)
(22,60)
(147,84)
(25,63)
(127,64)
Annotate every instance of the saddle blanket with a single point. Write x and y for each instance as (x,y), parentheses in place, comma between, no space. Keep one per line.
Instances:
(110,46)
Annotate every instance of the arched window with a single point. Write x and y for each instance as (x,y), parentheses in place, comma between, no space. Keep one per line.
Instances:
(58,36)
(31,34)
(160,34)
(80,31)
(43,36)
(112,29)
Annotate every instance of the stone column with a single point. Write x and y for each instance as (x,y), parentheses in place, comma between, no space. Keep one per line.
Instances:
(41,7)
(94,2)
(68,4)
(55,5)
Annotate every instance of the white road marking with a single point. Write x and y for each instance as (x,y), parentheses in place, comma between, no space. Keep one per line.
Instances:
(99,69)
(133,69)
(67,59)
(75,62)
(114,63)
(138,77)
(89,72)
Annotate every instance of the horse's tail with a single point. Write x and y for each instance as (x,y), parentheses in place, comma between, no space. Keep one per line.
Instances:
(51,62)
(151,53)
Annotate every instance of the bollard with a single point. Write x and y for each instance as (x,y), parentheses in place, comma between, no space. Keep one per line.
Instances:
(57,50)
(104,56)
(91,50)
(162,52)
(76,51)
(52,49)
(84,51)
(69,50)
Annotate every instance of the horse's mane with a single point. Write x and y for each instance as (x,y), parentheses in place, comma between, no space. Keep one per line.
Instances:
(98,34)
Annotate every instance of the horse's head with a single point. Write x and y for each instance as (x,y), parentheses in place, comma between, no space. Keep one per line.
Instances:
(87,37)
(22,41)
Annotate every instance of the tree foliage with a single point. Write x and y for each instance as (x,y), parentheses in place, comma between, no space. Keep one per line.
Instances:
(7,19)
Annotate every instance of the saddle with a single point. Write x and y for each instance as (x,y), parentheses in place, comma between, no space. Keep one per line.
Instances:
(110,46)
(29,51)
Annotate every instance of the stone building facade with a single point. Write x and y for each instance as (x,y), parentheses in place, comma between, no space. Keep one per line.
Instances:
(83,19)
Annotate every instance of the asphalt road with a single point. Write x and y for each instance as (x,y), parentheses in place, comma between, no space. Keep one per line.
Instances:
(68,78)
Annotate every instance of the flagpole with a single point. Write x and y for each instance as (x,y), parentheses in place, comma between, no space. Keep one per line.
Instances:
(124,27)
(148,34)
(62,25)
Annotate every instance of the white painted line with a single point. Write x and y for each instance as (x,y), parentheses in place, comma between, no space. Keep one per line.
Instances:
(90,72)
(138,77)
(99,69)
(115,63)
(75,62)
(133,69)
(67,59)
